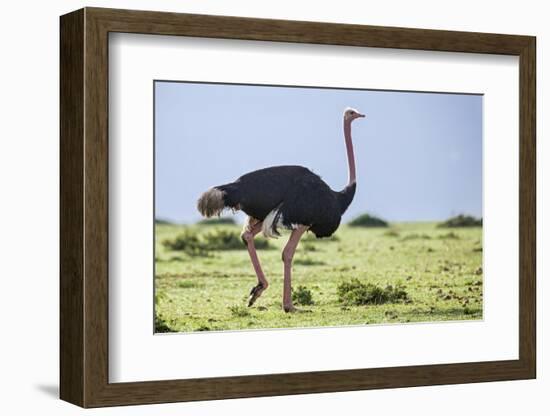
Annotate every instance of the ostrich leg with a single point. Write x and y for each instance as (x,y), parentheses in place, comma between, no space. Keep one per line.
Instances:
(288,254)
(251,228)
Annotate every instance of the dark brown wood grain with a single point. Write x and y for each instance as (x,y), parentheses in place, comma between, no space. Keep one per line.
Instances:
(71,213)
(84,207)
(527,208)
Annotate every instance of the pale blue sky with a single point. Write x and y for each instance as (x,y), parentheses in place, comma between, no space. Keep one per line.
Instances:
(419,155)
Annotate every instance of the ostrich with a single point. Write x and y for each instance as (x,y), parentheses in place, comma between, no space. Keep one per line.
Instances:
(290,197)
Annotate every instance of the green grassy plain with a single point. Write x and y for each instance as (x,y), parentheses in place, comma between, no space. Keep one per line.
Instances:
(439,268)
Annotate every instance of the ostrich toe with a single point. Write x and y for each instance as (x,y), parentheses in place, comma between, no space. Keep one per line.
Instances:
(255,293)
(290,308)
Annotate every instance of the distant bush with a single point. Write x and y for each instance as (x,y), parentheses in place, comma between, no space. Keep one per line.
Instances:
(195,243)
(217,221)
(312,238)
(188,242)
(162,221)
(357,293)
(367,220)
(220,239)
(302,296)
(462,221)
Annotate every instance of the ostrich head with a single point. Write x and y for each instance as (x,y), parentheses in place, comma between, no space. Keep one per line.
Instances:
(351,114)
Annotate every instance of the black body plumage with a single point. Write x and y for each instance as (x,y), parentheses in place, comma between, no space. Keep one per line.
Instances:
(299,196)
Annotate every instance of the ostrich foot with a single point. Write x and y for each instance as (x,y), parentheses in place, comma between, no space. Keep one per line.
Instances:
(293,309)
(290,308)
(255,293)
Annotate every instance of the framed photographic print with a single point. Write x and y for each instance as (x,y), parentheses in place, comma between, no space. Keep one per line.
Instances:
(255,207)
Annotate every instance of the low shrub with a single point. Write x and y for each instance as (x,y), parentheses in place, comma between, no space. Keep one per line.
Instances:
(195,243)
(355,292)
(302,296)
(367,220)
(462,221)
(220,239)
(162,221)
(188,242)
(310,237)
(217,221)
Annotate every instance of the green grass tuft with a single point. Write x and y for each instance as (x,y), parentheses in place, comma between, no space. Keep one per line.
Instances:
(187,284)
(416,236)
(307,261)
(449,236)
(307,246)
(355,292)
(203,328)
(239,311)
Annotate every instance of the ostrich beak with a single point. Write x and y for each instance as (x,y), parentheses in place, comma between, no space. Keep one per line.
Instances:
(360,115)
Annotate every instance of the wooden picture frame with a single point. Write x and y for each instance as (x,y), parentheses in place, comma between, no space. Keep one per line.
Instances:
(84,207)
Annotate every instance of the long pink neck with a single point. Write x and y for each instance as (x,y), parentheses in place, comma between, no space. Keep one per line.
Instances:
(349,149)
